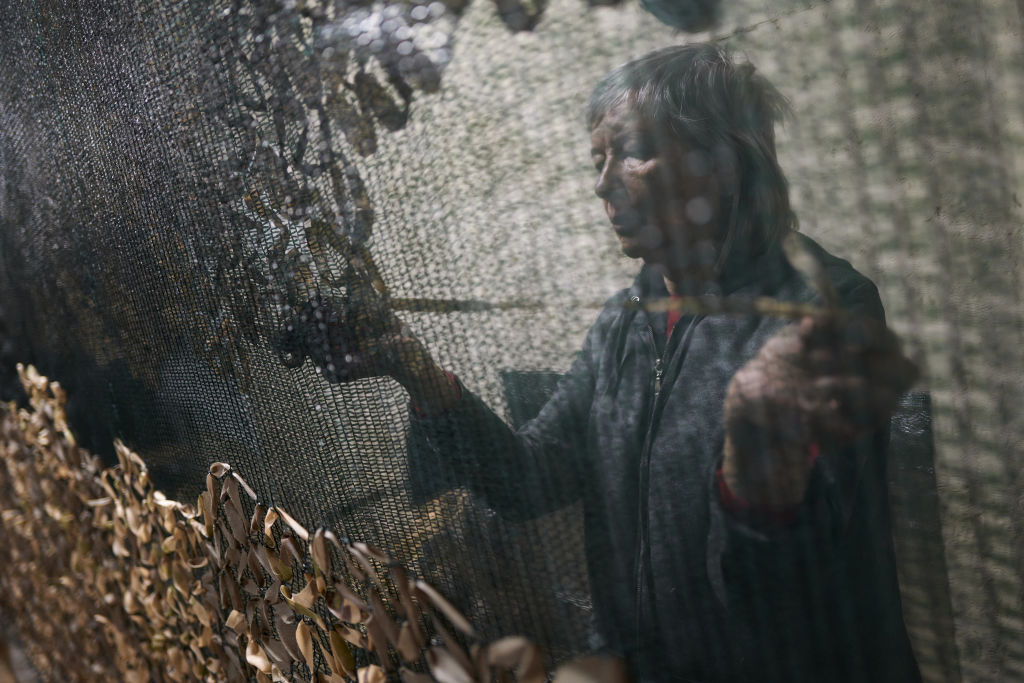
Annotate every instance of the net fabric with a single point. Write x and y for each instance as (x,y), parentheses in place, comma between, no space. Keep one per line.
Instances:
(139,587)
(158,162)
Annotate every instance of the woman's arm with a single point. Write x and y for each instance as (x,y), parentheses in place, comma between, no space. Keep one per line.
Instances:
(454,438)
(523,474)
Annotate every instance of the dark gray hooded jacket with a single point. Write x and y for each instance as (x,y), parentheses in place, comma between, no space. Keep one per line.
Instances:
(683,588)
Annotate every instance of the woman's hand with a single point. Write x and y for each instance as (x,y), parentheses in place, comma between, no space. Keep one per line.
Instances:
(821,383)
(359,337)
(347,338)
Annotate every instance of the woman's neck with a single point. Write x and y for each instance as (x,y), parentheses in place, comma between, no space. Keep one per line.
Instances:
(688,283)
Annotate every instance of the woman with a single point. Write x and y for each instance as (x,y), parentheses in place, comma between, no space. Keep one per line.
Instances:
(731,467)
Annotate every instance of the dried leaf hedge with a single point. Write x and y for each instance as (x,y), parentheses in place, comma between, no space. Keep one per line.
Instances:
(106,578)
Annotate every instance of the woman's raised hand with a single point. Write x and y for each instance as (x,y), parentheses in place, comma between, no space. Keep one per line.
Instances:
(821,383)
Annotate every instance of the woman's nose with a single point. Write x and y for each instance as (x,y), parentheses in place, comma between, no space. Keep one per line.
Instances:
(605,181)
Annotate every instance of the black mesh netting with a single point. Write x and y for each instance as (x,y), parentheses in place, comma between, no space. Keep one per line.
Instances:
(198,198)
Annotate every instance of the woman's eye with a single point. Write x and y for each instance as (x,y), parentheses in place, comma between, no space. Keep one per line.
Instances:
(598,163)
(637,150)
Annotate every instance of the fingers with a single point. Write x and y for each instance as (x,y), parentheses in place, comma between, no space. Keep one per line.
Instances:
(853,334)
(369,314)
(887,367)
(848,405)
(855,346)
(346,358)
(346,339)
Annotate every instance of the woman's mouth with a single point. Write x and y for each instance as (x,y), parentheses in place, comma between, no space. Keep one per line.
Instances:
(626,223)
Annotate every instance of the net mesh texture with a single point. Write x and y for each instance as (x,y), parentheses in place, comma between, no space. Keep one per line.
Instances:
(178,179)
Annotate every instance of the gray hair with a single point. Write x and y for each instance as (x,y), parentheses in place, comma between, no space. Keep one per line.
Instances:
(697,93)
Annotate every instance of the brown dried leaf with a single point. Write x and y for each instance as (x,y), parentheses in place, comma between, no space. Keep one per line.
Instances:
(213,552)
(531,667)
(201,613)
(380,615)
(452,645)
(263,555)
(273,593)
(131,604)
(518,654)
(378,642)
(259,512)
(198,562)
(479,655)
(182,579)
(232,559)
(375,553)
(299,608)
(236,622)
(168,518)
(268,524)
(119,548)
(219,469)
(253,562)
(264,609)
(299,530)
(290,550)
(306,596)
(236,523)
(208,502)
(333,538)
(371,674)
(245,487)
(229,492)
(400,578)
(445,667)
(255,655)
(353,568)
(286,627)
(409,676)
(201,531)
(224,538)
(305,640)
(593,669)
(506,652)
(409,643)
(344,661)
(168,545)
(368,570)
(453,615)
(353,636)
(277,651)
(230,594)
(321,552)
(344,609)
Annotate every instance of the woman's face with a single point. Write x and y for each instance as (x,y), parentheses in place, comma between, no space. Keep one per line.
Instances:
(660,195)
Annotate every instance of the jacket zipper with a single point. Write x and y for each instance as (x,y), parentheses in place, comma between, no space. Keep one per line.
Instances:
(645,461)
(645,456)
